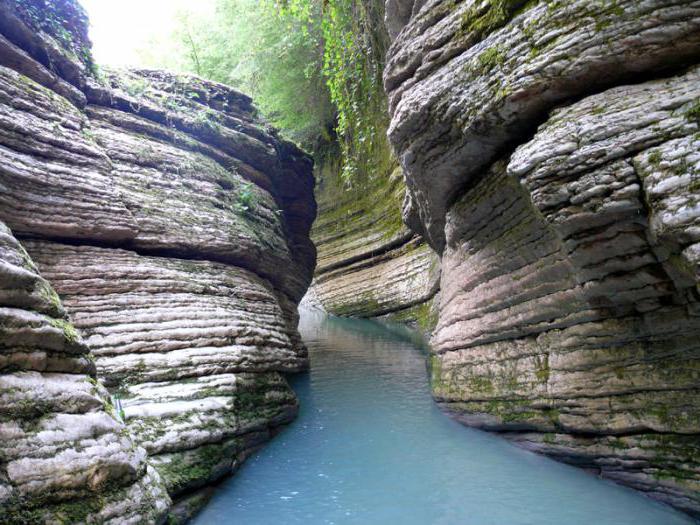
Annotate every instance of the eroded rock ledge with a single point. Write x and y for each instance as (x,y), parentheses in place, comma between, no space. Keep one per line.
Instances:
(174,226)
(369,263)
(64,456)
(550,151)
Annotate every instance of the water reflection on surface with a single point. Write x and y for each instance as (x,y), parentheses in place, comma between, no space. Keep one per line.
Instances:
(371,447)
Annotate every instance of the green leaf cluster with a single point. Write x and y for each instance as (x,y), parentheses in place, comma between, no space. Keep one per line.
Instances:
(355,46)
(314,68)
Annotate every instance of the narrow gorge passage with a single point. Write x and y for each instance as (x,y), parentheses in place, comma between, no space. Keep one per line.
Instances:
(370,446)
(517,181)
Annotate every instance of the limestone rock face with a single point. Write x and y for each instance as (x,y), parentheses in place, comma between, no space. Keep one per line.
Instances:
(398,13)
(159,319)
(550,151)
(174,225)
(369,263)
(63,454)
(466,80)
(119,177)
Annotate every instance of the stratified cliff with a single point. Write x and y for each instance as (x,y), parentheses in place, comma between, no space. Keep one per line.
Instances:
(174,226)
(550,151)
(64,456)
(369,263)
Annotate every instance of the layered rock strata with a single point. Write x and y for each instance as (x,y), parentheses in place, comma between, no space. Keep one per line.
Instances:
(369,263)
(550,151)
(64,456)
(175,227)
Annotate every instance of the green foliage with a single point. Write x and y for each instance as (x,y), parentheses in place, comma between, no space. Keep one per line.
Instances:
(485,17)
(693,114)
(654,157)
(245,199)
(182,471)
(63,20)
(356,43)
(69,331)
(272,52)
(491,58)
(206,119)
(135,86)
(314,67)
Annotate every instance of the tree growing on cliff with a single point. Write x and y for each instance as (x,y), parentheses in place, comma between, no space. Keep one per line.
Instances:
(272,52)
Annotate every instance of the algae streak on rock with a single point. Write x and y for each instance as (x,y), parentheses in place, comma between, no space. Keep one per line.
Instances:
(369,263)
(550,155)
(174,225)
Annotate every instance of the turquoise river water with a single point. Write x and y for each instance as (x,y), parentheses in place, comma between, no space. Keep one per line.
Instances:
(371,447)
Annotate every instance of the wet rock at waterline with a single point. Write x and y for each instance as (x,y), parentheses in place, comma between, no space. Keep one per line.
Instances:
(175,225)
(550,153)
(65,456)
(357,453)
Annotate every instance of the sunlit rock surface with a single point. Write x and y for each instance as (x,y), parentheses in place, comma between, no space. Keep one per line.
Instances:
(63,453)
(174,225)
(550,151)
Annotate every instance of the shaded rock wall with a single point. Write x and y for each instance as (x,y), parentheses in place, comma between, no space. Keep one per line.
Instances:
(550,151)
(369,263)
(174,226)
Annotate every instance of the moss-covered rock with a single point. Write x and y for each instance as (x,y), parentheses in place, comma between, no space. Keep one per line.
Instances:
(566,213)
(175,225)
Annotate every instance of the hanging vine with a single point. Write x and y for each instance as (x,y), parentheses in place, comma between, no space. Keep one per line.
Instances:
(314,66)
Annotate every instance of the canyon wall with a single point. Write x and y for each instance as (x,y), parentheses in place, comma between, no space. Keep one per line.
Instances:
(174,226)
(550,151)
(369,263)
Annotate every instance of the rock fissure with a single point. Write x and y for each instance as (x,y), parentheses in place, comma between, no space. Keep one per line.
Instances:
(154,244)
